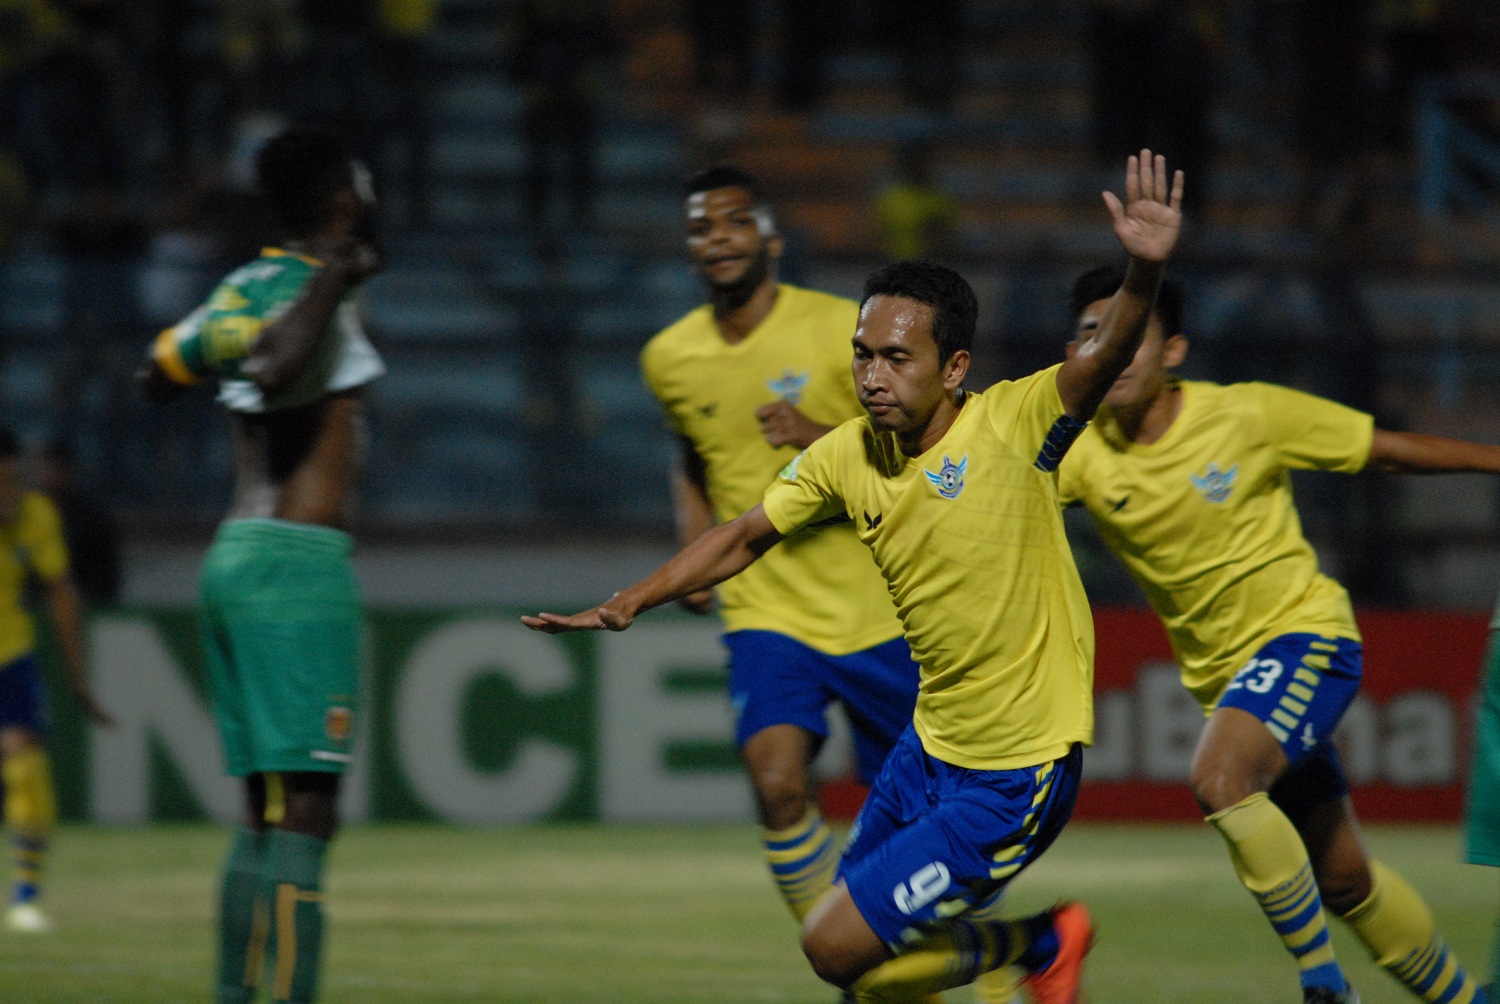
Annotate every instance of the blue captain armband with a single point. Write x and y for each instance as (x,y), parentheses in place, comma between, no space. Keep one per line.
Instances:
(1059,438)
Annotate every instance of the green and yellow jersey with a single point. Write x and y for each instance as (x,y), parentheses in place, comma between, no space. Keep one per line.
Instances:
(970,539)
(1204,519)
(33,544)
(217,338)
(820,587)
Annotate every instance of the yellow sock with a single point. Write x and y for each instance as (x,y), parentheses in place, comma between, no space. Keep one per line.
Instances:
(963,950)
(30,812)
(1272,863)
(802,859)
(998,986)
(1399,931)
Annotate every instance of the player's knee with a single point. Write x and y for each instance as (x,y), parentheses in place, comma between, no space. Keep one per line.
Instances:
(782,802)
(1218,787)
(1345,888)
(311,805)
(832,960)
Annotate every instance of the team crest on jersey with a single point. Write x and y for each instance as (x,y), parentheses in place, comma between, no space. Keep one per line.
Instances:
(790,385)
(950,480)
(789,472)
(1214,484)
(338,722)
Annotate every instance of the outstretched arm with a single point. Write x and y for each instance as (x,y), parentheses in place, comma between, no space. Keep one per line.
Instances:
(1147,224)
(1415,453)
(719,554)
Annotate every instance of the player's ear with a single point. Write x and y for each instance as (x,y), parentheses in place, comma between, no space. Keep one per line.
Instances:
(1173,351)
(1070,349)
(775,246)
(955,369)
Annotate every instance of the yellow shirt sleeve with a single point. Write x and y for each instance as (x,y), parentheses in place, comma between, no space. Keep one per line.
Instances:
(1313,433)
(40,533)
(1025,412)
(806,491)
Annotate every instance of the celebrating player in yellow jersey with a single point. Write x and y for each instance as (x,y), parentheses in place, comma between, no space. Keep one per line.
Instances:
(1187,482)
(31,543)
(747,381)
(955,494)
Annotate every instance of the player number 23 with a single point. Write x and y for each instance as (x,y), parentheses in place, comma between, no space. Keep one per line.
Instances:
(1258,676)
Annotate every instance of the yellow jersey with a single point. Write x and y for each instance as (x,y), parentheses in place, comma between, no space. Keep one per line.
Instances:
(821,587)
(1204,520)
(970,539)
(32,544)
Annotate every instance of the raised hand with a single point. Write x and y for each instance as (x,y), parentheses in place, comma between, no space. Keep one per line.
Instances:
(782,424)
(1149,220)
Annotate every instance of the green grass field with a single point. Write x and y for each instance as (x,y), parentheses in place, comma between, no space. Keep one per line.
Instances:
(578,915)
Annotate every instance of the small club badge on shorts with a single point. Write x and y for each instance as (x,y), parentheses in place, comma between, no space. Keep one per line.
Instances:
(338,723)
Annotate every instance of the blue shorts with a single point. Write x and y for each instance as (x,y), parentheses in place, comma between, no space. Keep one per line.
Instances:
(23,702)
(1299,685)
(776,680)
(934,840)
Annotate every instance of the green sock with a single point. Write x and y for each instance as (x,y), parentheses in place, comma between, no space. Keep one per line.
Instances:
(242,920)
(292,882)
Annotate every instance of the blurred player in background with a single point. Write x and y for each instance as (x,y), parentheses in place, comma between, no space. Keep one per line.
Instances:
(955,494)
(31,544)
(1482,832)
(1188,484)
(747,381)
(280,607)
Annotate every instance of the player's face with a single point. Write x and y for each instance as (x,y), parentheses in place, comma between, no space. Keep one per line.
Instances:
(727,239)
(896,370)
(1147,374)
(10,490)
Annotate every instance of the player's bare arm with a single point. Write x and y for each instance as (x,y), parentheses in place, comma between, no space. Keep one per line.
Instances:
(719,554)
(287,343)
(1416,453)
(692,512)
(1147,224)
(783,425)
(67,620)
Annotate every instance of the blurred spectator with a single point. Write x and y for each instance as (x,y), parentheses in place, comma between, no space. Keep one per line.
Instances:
(1412,49)
(724,42)
(915,217)
(557,54)
(102,247)
(1335,108)
(806,31)
(1152,84)
(338,85)
(89,527)
(406,82)
(928,36)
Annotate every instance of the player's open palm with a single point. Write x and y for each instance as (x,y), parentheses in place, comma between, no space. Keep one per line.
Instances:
(601,618)
(1149,220)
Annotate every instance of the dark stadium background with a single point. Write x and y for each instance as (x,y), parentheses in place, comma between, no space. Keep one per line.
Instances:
(1343,237)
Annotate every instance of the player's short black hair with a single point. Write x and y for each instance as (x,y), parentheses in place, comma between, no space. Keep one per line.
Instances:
(725,176)
(10,443)
(1102,282)
(299,170)
(955,309)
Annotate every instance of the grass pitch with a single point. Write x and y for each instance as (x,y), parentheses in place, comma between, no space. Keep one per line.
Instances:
(686,915)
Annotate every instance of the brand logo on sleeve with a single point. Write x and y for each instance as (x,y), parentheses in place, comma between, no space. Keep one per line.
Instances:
(872,523)
(790,385)
(1214,484)
(950,480)
(789,472)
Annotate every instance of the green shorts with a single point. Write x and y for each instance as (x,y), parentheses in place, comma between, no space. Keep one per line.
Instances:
(281,627)
(1482,843)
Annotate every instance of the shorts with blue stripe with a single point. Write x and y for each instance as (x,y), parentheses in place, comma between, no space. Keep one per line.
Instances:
(776,680)
(1299,685)
(934,841)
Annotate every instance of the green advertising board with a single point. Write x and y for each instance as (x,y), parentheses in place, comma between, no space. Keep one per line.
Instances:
(466,716)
